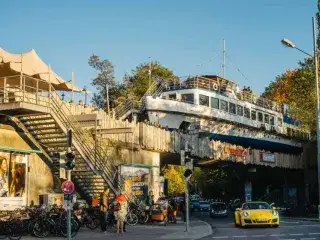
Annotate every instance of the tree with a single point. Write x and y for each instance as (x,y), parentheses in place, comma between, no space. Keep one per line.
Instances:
(108,89)
(138,82)
(296,88)
(176,180)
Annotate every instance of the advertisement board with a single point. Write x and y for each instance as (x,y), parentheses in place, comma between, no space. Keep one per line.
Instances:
(267,157)
(136,181)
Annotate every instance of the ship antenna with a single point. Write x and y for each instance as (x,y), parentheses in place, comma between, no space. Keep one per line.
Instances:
(224,59)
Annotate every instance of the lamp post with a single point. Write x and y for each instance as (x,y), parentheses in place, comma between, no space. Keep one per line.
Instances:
(290,44)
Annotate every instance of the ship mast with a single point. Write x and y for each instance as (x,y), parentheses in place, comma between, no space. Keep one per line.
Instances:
(224,59)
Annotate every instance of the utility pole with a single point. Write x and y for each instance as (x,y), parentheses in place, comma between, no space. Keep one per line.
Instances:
(149,72)
(69,208)
(224,59)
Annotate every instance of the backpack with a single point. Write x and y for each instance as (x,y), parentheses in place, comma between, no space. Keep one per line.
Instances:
(117,207)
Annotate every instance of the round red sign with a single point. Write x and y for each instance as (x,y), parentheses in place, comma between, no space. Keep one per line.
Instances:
(67,187)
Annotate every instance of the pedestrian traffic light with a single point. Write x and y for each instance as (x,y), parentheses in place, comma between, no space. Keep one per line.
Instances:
(70,163)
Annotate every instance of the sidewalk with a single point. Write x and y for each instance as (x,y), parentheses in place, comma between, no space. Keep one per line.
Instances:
(198,229)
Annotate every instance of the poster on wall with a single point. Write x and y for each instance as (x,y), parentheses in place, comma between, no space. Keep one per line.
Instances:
(4,173)
(136,181)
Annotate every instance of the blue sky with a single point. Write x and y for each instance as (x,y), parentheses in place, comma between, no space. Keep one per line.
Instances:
(183,35)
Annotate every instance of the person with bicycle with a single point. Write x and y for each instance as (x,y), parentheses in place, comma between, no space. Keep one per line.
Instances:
(104,209)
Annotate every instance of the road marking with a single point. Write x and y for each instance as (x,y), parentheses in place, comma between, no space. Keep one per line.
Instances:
(277,235)
(239,236)
(314,233)
(258,235)
(220,237)
(307,238)
(296,234)
(289,222)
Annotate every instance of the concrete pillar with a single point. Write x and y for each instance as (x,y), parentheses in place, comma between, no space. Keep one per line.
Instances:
(306,186)
(285,190)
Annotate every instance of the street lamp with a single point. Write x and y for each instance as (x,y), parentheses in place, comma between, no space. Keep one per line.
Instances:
(290,44)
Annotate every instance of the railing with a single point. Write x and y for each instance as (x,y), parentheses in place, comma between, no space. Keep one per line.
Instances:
(221,85)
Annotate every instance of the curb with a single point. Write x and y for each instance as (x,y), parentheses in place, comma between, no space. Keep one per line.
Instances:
(301,219)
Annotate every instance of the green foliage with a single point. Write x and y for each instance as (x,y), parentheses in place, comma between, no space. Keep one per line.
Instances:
(105,83)
(210,182)
(138,82)
(176,180)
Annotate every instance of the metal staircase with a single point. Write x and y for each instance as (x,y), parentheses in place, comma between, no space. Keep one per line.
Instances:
(126,108)
(94,169)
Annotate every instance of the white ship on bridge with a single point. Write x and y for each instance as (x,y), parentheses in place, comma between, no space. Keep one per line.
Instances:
(226,113)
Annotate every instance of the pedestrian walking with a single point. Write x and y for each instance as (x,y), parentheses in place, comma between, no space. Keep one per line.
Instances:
(104,209)
(120,212)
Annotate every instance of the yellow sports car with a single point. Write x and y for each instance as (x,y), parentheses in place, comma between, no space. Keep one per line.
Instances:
(256,214)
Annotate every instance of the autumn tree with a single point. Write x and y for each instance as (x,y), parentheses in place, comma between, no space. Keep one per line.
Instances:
(176,180)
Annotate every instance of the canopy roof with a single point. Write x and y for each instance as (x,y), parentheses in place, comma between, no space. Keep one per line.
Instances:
(30,64)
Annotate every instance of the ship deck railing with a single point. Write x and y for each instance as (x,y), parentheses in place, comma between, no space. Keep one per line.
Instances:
(220,86)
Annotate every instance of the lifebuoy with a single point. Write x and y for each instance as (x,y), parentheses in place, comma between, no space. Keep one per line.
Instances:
(215,87)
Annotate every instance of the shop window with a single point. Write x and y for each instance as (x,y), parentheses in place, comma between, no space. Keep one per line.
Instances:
(247,112)
(215,102)
(188,97)
(260,117)
(203,100)
(239,110)
(280,122)
(224,105)
(232,108)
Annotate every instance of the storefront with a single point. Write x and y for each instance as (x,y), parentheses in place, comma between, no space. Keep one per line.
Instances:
(14,185)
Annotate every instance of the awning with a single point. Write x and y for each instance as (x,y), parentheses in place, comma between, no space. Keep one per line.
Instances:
(31,64)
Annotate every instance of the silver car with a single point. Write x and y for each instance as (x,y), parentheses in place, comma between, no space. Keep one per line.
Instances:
(218,209)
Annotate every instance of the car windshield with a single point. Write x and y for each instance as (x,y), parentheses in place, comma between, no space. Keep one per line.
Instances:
(255,205)
(218,206)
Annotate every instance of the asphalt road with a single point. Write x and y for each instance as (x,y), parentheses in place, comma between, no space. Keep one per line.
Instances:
(223,228)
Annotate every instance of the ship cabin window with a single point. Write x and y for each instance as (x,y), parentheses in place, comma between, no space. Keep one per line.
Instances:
(280,122)
(188,97)
(239,110)
(172,96)
(224,105)
(260,117)
(203,100)
(272,120)
(215,102)
(254,115)
(266,118)
(232,108)
(246,112)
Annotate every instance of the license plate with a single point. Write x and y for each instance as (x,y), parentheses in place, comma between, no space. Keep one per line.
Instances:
(261,220)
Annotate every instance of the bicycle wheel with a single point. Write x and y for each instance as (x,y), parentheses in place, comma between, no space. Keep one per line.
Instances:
(3,231)
(40,229)
(143,217)
(74,229)
(132,219)
(93,224)
(15,230)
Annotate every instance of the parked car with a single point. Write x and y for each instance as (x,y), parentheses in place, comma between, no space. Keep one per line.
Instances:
(218,209)
(204,206)
(195,206)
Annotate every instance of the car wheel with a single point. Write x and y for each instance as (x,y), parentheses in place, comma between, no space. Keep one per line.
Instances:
(276,226)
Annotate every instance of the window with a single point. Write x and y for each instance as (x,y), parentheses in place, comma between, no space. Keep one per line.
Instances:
(279,122)
(266,118)
(254,115)
(224,105)
(215,103)
(232,108)
(246,112)
(260,117)
(189,97)
(172,96)
(239,110)
(203,100)
(272,120)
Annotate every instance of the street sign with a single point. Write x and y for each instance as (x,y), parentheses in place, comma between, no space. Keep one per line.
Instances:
(67,187)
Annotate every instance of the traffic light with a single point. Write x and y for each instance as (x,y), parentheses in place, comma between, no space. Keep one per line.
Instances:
(70,163)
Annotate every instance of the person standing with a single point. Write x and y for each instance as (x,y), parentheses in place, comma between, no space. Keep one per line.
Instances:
(149,204)
(104,209)
(120,211)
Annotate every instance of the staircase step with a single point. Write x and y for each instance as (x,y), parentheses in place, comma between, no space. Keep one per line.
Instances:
(54,142)
(34,123)
(51,137)
(35,118)
(42,127)
(52,131)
